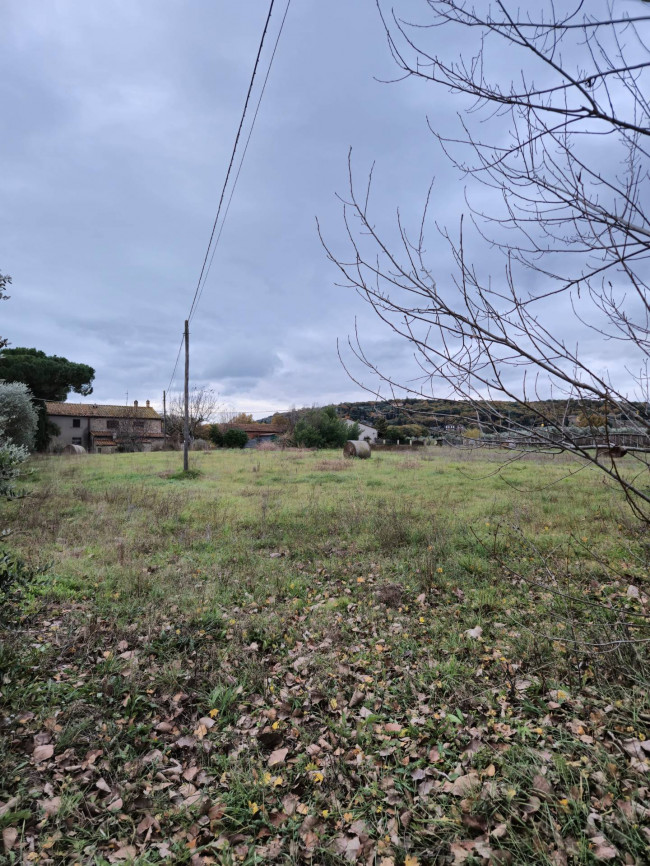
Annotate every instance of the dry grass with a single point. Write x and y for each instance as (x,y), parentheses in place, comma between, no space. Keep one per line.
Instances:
(334,614)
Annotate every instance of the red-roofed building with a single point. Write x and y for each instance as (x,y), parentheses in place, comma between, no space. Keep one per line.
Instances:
(105,429)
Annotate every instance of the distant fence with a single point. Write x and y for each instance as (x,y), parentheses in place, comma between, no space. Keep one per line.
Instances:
(403,446)
(613,440)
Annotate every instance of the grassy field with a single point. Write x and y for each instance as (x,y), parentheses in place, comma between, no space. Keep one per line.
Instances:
(292,658)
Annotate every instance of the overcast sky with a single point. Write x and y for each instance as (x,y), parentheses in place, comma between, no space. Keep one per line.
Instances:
(118,121)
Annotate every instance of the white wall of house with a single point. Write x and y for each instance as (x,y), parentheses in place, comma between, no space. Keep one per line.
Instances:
(366,433)
(74,431)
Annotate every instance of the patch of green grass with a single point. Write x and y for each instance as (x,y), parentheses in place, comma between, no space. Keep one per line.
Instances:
(394,624)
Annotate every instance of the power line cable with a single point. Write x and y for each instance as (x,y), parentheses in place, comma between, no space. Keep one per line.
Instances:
(243,157)
(232,157)
(180,349)
(204,273)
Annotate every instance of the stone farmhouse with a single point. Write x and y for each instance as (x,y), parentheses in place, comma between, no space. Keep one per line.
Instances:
(105,429)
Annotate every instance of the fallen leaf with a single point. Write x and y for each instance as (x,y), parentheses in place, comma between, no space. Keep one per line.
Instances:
(542,786)
(51,807)
(126,852)
(348,847)
(602,849)
(290,803)
(42,753)
(463,786)
(277,757)
(474,633)
(460,851)
(147,822)
(8,806)
(9,836)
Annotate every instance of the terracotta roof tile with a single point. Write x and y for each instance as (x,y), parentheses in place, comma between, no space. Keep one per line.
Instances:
(97,410)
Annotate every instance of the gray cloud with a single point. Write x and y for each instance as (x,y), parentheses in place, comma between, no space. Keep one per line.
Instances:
(118,123)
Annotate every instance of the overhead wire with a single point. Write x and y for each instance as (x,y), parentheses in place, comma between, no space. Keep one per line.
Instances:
(243,156)
(232,156)
(210,248)
(173,376)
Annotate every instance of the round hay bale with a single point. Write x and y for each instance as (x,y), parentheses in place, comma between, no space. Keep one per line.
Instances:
(354,448)
(74,449)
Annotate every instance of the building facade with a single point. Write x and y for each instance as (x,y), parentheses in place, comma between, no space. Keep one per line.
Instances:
(103,429)
(366,433)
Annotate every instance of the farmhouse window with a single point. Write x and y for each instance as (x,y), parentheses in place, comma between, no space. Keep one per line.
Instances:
(76,422)
(112,424)
(139,425)
(76,440)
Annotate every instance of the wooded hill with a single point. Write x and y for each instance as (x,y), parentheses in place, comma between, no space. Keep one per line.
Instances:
(439,414)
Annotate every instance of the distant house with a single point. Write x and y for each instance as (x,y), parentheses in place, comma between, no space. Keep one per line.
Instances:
(103,429)
(257,433)
(366,433)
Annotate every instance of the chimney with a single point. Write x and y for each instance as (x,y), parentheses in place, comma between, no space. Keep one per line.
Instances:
(135,403)
(147,404)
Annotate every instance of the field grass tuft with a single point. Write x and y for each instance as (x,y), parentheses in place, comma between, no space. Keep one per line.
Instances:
(287,657)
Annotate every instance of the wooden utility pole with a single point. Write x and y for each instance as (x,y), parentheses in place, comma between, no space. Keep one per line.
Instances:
(164,419)
(186,425)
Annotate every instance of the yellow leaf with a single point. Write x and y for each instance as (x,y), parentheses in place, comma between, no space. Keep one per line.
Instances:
(301,809)
(410,860)
(318,778)
(213,713)
(348,816)
(325,813)
(253,807)
(278,782)
(333,703)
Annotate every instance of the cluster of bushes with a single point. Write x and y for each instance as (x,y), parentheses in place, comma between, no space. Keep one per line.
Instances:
(322,428)
(404,432)
(230,438)
(18,421)
(313,428)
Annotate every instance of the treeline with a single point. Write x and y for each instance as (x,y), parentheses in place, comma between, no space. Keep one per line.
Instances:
(439,415)
(414,418)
